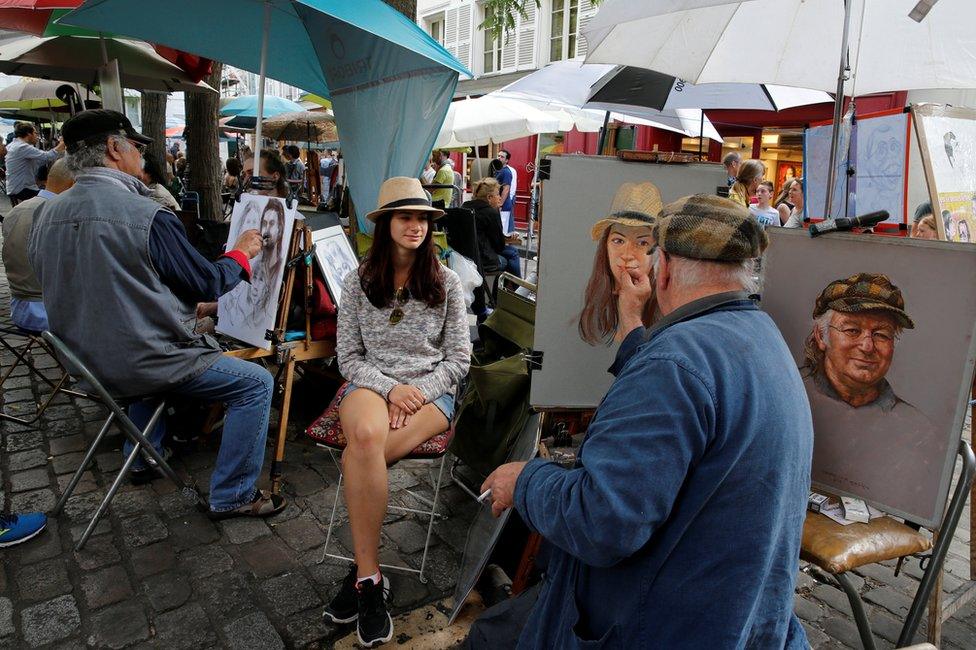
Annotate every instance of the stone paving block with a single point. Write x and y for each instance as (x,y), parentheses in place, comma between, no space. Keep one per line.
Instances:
(61,412)
(60,428)
(43,547)
(308,630)
(81,507)
(302,481)
(26,460)
(43,580)
(807,610)
(186,627)
(143,530)
(833,596)
(244,529)
(843,630)
(301,533)
(31,479)
(98,552)
(153,559)
(193,530)
(226,596)
(265,558)
(119,626)
(442,566)
(103,527)
(166,591)
(407,591)
(21,440)
(252,631)
(50,621)
(6,617)
(33,501)
(891,599)
(408,535)
(172,502)
(328,575)
(204,561)
(138,501)
(109,461)
(290,593)
(18,395)
(105,586)
(67,445)
(291,511)
(815,637)
(67,463)
(85,485)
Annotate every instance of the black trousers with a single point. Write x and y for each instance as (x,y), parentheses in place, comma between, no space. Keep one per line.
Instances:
(22,195)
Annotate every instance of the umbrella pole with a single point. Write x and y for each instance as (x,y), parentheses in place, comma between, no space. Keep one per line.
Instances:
(701,134)
(838,109)
(603,134)
(265,33)
(533,204)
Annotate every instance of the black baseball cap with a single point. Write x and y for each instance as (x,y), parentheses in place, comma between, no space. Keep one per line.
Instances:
(98,123)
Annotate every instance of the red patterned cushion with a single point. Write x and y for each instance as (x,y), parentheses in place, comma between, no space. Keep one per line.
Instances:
(327,430)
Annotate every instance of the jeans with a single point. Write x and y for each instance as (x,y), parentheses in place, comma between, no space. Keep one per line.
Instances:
(246,389)
(509,257)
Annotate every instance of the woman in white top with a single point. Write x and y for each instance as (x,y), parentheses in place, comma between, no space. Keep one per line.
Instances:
(792,217)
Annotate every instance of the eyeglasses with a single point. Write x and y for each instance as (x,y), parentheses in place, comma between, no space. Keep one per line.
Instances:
(400,297)
(879,337)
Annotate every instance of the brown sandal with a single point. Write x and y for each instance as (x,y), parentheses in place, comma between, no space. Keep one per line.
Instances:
(265,504)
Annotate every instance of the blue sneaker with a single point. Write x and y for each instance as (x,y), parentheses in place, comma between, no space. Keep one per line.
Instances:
(15,529)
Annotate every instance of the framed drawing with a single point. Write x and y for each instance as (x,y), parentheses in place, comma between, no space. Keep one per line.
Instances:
(886,349)
(250,310)
(335,258)
(947,143)
(787,171)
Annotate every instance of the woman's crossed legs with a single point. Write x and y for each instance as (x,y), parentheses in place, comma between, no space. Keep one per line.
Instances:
(371,446)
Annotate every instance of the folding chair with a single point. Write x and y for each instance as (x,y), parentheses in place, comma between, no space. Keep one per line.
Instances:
(23,354)
(838,549)
(327,433)
(138,437)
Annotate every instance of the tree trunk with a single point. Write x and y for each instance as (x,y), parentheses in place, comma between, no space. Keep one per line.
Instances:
(202,153)
(154,125)
(406,7)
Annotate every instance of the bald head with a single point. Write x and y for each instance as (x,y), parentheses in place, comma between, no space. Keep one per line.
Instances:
(59,177)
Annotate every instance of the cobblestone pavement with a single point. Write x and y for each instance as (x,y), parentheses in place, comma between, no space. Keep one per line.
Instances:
(157,573)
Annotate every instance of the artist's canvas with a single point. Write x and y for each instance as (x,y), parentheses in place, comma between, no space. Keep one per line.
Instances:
(249,311)
(581,191)
(898,450)
(947,137)
(816,158)
(335,258)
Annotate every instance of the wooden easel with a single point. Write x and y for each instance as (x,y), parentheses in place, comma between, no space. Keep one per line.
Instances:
(287,354)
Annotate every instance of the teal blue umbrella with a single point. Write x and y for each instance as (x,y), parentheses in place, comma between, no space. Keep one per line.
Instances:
(247,106)
(389,81)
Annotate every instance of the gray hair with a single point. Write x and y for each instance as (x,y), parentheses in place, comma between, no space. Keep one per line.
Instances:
(731,158)
(88,155)
(687,272)
(822,323)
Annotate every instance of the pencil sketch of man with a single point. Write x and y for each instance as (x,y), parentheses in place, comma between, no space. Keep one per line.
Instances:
(868,440)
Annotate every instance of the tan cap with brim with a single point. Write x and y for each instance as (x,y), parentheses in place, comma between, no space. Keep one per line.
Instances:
(402,193)
(626,218)
(634,204)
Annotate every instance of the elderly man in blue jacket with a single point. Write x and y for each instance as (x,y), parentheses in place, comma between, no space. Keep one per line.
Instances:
(680,525)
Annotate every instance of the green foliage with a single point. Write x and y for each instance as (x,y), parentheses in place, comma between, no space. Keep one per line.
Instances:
(500,15)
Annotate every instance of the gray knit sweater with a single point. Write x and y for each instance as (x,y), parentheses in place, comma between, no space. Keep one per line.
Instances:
(430,348)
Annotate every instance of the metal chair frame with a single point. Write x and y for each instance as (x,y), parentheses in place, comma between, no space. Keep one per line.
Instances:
(24,356)
(432,513)
(935,561)
(118,415)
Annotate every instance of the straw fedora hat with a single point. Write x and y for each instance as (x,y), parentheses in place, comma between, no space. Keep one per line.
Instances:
(403,193)
(634,204)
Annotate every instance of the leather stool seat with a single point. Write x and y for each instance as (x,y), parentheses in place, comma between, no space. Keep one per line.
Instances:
(836,548)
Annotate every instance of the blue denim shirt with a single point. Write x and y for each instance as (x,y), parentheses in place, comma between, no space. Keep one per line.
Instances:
(680,525)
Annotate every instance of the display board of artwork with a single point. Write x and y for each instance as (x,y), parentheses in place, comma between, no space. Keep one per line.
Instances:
(576,270)
(879,148)
(947,138)
(248,311)
(888,375)
(335,258)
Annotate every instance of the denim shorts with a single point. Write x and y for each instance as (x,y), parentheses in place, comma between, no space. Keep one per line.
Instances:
(444,403)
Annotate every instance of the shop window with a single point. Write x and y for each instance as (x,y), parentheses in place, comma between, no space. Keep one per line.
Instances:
(436,29)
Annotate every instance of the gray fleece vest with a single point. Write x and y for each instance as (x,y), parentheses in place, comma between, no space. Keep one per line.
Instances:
(90,249)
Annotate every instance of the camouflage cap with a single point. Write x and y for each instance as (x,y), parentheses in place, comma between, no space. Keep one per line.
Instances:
(707,227)
(864,292)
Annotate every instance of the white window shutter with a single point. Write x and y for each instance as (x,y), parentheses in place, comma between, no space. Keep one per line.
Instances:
(464,35)
(586,11)
(526,37)
(451,31)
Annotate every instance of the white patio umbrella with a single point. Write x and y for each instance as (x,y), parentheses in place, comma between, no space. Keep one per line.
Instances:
(490,119)
(851,47)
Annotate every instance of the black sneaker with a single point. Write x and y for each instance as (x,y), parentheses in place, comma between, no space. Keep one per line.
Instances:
(344,607)
(374,625)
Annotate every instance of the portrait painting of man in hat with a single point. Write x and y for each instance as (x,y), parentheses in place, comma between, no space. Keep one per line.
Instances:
(857,322)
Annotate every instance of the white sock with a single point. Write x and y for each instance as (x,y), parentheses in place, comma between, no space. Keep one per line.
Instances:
(375,578)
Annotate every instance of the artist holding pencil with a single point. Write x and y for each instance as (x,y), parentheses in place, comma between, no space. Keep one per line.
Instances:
(403,344)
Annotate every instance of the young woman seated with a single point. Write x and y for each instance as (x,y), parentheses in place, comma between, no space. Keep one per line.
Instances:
(403,345)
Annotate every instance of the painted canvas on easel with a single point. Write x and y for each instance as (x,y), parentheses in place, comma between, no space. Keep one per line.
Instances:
(886,349)
(335,258)
(947,139)
(249,311)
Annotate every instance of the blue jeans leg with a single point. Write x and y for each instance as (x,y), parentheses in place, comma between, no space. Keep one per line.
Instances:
(513,263)
(246,389)
(139,413)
